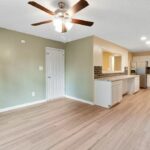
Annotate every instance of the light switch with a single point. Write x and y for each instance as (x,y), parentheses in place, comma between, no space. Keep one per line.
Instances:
(23,41)
(40,68)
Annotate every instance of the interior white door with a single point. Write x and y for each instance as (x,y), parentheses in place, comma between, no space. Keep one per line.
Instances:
(54,73)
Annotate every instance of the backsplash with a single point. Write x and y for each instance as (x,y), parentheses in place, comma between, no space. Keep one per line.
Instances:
(98,72)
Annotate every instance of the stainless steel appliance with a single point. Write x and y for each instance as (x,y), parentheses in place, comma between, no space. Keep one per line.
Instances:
(141,69)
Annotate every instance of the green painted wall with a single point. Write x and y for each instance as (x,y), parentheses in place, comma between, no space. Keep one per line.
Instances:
(79,69)
(19,74)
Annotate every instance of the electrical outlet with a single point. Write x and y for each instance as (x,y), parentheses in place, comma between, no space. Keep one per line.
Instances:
(33,94)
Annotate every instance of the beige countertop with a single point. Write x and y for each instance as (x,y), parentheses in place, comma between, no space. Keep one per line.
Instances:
(116,78)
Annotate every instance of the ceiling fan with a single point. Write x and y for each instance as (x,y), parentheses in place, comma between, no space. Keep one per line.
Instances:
(62,18)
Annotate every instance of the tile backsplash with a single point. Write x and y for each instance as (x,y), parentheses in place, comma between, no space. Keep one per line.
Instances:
(98,72)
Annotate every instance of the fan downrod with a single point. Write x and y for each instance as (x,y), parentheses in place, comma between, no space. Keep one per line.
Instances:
(61,5)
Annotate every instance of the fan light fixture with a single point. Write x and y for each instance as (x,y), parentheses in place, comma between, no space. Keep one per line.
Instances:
(63,18)
(60,22)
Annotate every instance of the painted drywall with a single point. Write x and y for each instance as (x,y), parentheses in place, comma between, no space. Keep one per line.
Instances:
(79,69)
(101,45)
(19,62)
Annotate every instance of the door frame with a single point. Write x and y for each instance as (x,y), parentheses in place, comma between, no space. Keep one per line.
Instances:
(46,51)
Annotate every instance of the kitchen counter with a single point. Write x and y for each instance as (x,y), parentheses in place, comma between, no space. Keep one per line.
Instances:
(117,78)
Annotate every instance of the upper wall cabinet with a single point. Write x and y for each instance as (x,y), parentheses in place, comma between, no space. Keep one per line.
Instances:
(138,59)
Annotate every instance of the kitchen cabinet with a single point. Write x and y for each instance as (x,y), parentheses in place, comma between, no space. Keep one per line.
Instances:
(148,81)
(109,91)
(134,85)
(141,59)
(133,65)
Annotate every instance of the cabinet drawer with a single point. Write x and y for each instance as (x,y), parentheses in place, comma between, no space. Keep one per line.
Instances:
(116,82)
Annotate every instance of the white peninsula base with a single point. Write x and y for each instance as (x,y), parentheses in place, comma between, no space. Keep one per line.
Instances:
(109,91)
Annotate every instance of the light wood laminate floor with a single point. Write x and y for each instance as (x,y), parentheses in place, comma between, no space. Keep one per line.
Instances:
(69,125)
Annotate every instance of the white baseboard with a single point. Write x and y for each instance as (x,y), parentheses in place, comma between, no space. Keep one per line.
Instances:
(22,105)
(42,101)
(27,104)
(80,100)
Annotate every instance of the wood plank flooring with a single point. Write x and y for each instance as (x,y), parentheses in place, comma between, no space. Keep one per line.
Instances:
(69,125)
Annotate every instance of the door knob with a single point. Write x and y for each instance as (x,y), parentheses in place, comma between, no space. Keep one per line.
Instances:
(49,77)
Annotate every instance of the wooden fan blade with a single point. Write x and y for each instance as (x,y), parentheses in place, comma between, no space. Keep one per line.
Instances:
(40,23)
(40,7)
(64,29)
(82,22)
(77,7)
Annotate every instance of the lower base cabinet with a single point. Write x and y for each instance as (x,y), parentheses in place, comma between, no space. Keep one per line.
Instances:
(108,93)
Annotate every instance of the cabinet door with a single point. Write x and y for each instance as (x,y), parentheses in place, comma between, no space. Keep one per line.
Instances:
(148,81)
(133,65)
(124,86)
(137,84)
(116,92)
(135,59)
(133,85)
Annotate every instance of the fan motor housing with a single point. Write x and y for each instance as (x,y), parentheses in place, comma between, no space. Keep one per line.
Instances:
(61,5)
(61,12)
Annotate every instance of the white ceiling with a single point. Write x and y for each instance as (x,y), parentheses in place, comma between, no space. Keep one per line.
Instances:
(120,21)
